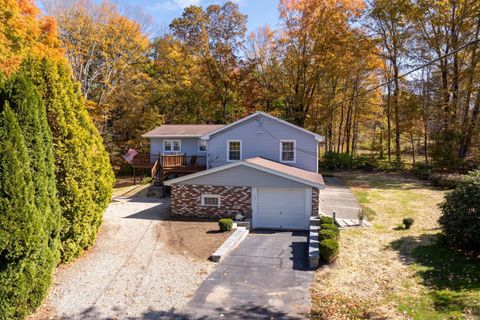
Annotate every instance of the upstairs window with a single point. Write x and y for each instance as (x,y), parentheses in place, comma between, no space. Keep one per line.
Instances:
(234,150)
(287,151)
(202,145)
(172,145)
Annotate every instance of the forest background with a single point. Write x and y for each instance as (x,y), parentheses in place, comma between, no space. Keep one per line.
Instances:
(341,68)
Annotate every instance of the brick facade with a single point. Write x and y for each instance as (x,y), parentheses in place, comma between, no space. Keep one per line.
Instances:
(315,201)
(186,200)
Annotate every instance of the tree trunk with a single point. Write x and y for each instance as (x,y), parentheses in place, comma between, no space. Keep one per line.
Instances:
(472,124)
(389,124)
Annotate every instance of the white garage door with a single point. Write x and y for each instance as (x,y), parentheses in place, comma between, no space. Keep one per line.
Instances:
(281,208)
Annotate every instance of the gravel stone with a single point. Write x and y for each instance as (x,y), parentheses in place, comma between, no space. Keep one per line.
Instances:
(129,273)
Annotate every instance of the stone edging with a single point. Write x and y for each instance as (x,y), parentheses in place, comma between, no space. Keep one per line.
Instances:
(231,243)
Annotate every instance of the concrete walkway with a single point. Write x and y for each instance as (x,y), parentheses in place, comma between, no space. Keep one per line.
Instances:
(266,277)
(339,199)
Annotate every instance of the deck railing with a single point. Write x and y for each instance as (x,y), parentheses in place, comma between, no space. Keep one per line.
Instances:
(182,160)
(144,159)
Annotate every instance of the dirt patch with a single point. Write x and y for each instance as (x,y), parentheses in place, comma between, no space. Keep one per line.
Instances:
(198,237)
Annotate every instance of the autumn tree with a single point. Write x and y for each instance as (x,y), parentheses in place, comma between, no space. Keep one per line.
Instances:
(216,35)
(263,90)
(313,37)
(392,26)
(108,51)
(447,32)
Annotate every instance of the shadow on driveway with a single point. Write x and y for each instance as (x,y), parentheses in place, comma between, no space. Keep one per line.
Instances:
(265,277)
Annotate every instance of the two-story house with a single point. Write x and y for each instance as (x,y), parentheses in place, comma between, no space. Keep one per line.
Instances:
(260,166)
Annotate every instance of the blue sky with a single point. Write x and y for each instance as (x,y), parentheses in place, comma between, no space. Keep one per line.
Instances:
(260,12)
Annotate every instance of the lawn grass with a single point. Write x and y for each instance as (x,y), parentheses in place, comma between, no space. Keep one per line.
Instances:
(388,273)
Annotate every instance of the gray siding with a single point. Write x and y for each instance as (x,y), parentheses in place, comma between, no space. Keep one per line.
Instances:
(189,147)
(241,176)
(260,137)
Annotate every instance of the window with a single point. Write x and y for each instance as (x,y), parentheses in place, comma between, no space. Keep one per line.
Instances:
(202,145)
(287,151)
(234,150)
(211,200)
(172,145)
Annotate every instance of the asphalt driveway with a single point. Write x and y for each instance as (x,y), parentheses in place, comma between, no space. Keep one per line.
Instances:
(266,277)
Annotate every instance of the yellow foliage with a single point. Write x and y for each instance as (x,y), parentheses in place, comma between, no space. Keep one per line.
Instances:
(22,32)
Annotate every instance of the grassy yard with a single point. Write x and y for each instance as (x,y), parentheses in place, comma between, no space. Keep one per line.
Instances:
(385,272)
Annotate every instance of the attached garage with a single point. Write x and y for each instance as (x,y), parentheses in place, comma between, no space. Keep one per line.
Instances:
(271,194)
(282,208)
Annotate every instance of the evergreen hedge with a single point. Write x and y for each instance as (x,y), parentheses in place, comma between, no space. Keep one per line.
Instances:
(25,101)
(84,174)
(26,259)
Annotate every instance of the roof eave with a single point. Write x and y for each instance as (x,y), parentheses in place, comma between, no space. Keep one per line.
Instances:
(248,164)
(170,136)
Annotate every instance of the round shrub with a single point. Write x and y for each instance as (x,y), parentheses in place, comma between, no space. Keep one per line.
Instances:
(327,234)
(407,222)
(330,226)
(326,219)
(460,220)
(328,249)
(225,224)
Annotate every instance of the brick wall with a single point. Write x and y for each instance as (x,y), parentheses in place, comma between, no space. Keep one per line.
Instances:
(186,200)
(315,201)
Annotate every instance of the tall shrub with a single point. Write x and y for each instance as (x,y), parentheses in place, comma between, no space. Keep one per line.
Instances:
(25,257)
(460,220)
(25,101)
(83,171)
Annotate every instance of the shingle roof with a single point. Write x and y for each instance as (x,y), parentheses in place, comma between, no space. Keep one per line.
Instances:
(303,176)
(288,170)
(182,130)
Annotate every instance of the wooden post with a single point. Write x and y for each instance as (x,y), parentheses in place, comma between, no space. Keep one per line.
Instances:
(134,177)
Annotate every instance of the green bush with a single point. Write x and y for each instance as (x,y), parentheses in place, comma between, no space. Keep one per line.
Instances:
(25,101)
(83,171)
(407,222)
(345,161)
(330,226)
(328,250)
(26,260)
(422,169)
(225,224)
(446,180)
(326,219)
(338,161)
(327,234)
(364,163)
(460,219)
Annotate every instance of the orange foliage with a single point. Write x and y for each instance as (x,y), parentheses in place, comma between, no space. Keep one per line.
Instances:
(22,33)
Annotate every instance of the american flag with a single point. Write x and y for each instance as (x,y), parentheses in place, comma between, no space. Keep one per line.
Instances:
(130,155)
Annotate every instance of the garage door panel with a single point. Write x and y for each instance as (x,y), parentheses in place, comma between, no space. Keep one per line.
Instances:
(281,208)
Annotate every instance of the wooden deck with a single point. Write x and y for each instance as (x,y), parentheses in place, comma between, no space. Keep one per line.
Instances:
(162,165)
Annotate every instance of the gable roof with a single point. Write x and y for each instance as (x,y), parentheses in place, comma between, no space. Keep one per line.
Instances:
(182,130)
(207,135)
(299,175)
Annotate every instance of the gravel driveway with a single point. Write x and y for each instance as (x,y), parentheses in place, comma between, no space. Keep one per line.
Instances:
(129,273)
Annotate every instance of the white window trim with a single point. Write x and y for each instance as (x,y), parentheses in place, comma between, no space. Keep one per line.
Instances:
(206,146)
(210,196)
(171,143)
(228,150)
(294,151)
